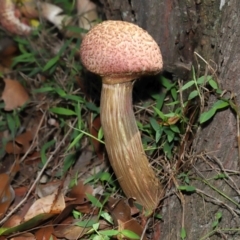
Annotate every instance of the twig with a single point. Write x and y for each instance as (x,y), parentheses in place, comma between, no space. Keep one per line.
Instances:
(145,229)
(218,202)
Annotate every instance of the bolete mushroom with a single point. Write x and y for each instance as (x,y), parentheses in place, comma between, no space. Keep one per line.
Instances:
(120,52)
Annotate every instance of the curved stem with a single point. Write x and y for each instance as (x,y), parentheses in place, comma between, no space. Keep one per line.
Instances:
(124,146)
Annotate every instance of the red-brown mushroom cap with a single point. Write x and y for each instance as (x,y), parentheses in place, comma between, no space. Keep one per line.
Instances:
(120,51)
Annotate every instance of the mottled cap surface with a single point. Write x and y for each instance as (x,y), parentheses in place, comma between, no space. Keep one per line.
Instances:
(120,51)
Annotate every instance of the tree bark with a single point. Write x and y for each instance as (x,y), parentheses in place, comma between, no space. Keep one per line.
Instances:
(211,28)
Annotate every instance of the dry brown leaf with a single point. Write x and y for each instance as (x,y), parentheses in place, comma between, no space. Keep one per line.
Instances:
(43,190)
(13,221)
(121,214)
(170,121)
(21,143)
(49,205)
(7,193)
(45,233)
(33,158)
(70,232)
(24,236)
(14,95)
(79,192)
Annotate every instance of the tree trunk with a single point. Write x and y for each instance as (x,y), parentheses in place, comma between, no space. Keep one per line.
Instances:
(211,28)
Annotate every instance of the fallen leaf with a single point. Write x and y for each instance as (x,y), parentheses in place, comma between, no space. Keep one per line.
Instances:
(7,193)
(121,214)
(170,121)
(13,221)
(79,192)
(21,143)
(49,188)
(71,232)
(45,233)
(24,236)
(14,95)
(70,229)
(49,205)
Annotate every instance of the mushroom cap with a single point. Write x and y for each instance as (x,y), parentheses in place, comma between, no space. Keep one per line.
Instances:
(120,51)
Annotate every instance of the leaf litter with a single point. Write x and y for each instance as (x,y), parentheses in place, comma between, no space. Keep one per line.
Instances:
(50,190)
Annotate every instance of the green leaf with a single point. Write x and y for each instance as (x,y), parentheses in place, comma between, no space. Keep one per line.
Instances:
(95,226)
(51,63)
(221,176)
(174,128)
(87,223)
(33,222)
(100,134)
(68,162)
(187,188)
(109,232)
(45,147)
(193,94)
(11,124)
(129,234)
(167,148)
(170,135)
(105,176)
(74,98)
(203,80)
(158,135)
(60,92)
(204,117)
(75,141)
(62,111)
(43,90)
(219,215)
(159,99)
(158,216)
(166,83)
(171,114)
(107,217)
(213,84)
(183,234)
(174,93)
(94,200)
(159,113)
(220,104)
(214,224)
(187,85)
(172,103)
(154,124)
(91,106)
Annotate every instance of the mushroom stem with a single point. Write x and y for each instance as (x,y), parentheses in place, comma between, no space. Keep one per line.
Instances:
(124,146)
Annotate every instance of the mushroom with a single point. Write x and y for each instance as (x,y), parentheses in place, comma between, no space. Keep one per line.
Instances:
(120,52)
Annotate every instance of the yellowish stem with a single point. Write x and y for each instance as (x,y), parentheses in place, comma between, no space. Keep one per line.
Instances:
(124,146)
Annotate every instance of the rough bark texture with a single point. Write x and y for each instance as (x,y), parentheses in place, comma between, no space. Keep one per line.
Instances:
(180,28)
